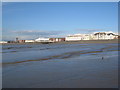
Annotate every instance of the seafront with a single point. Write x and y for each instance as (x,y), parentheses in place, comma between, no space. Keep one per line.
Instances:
(69,42)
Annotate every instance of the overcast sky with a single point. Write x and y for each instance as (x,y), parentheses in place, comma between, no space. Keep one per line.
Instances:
(30,20)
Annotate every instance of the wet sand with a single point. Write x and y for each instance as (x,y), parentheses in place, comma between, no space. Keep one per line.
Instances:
(69,73)
(64,55)
(74,69)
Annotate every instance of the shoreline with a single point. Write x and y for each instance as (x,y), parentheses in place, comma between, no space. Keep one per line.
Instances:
(67,42)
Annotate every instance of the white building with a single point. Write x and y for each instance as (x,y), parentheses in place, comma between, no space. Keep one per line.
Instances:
(3,41)
(104,35)
(77,37)
(42,39)
(94,36)
(29,41)
(73,38)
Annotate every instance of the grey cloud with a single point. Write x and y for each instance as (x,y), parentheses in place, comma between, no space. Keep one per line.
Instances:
(37,32)
(32,34)
(89,30)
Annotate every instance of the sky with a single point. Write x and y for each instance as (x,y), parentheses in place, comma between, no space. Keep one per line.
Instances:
(30,20)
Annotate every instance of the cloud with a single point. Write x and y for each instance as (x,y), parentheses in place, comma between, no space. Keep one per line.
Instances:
(30,34)
(36,32)
(89,30)
(21,37)
(33,34)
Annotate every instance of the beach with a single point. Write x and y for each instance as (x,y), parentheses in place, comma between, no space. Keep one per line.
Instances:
(69,42)
(60,65)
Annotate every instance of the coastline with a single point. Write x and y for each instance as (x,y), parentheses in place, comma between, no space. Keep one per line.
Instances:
(69,42)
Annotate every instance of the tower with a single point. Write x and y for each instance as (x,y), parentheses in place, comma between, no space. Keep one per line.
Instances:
(16,39)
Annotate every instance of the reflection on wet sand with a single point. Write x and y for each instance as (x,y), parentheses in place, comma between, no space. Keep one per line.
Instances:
(66,55)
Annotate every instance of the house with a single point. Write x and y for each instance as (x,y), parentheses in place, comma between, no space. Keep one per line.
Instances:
(77,37)
(29,41)
(42,39)
(11,41)
(104,35)
(116,37)
(21,41)
(73,38)
(3,42)
(57,39)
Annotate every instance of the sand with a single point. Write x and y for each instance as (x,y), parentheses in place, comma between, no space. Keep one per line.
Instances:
(73,69)
(72,42)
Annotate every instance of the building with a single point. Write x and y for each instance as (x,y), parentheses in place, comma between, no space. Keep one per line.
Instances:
(21,41)
(116,37)
(11,41)
(3,42)
(104,35)
(95,36)
(29,41)
(73,38)
(42,39)
(57,39)
(17,39)
(77,37)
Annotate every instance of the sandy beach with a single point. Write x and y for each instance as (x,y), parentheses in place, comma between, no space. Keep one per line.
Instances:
(70,42)
(90,65)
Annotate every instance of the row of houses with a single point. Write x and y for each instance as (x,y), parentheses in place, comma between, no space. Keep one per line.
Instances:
(43,39)
(75,37)
(94,36)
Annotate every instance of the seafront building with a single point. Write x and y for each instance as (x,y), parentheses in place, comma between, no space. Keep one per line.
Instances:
(21,41)
(29,41)
(57,39)
(104,35)
(3,42)
(95,36)
(75,37)
(78,37)
(42,39)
